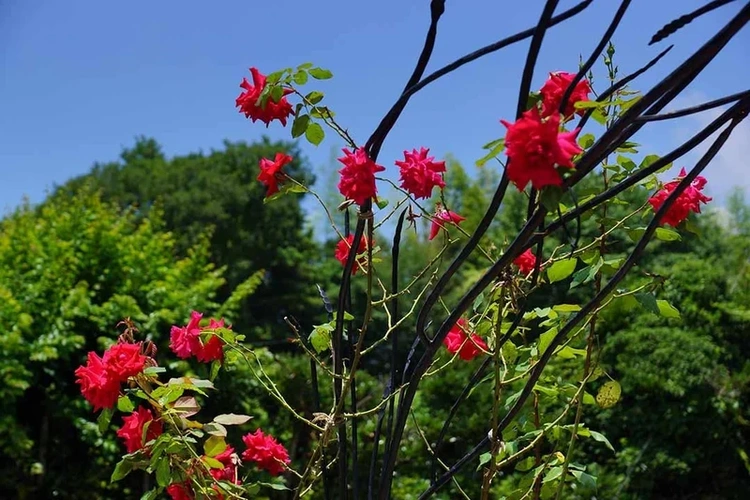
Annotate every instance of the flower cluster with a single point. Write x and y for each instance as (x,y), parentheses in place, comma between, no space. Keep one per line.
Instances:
(100,378)
(689,200)
(185,341)
(249,105)
(535,146)
(358,176)
(534,143)
(420,173)
(525,262)
(133,426)
(270,172)
(461,340)
(265,451)
(552,93)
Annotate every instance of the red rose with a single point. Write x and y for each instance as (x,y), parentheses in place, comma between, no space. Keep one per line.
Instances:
(358,176)
(124,360)
(552,93)
(343,247)
(229,472)
(265,451)
(184,340)
(248,101)
(180,491)
(442,215)
(534,146)
(131,431)
(526,261)
(98,386)
(270,172)
(420,173)
(688,201)
(457,341)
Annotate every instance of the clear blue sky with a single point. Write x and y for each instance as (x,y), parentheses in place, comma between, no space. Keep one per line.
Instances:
(82,78)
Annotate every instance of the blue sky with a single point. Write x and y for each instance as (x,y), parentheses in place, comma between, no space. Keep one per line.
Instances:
(82,78)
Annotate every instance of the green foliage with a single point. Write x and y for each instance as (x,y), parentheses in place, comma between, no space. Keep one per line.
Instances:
(219,193)
(70,270)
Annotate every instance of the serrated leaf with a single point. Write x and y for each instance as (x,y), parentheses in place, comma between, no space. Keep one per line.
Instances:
(163,472)
(648,301)
(103,419)
(483,459)
(320,73)
(122,469)
(496,148)
(552,474)
(231,419)
(609,394)
(187,406)
(314,97)
(214,445)
(665,234)
(602,439)
(299,125)
(212,462)
(561,270)
(300,77)
(314,133)
(153,370)
(586,480)
(215,429)
(667,310)
(125,405)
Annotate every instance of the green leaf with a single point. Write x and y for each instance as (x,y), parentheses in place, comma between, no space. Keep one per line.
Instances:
(586,480)
(664,234)
(231,419)
(550,197)
(626,163)
(588,399)
(163,473)
(602,439)
(213,463)
(382,203)
(483,459)
(153,370)
(214,445)
(579,277)
(122,469)
(586,141)
(609,394)
(566,308)
(215,367)
(552,474)
(648,301)
(300,77)
(125,405)
(215,429)
(320,338)
(320,73)
(533,99)
(496,148)
(306,65)
(545,339)
(648,160)
(300,124)
(561,269)
(277,93)
(667,310)
(150,494)
(103,420)
(315,134)
(314,97)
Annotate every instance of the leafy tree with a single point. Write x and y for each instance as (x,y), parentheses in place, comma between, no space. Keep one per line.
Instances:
(219,191)
(70,270)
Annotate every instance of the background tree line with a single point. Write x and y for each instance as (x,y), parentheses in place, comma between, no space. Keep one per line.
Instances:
(152,237)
